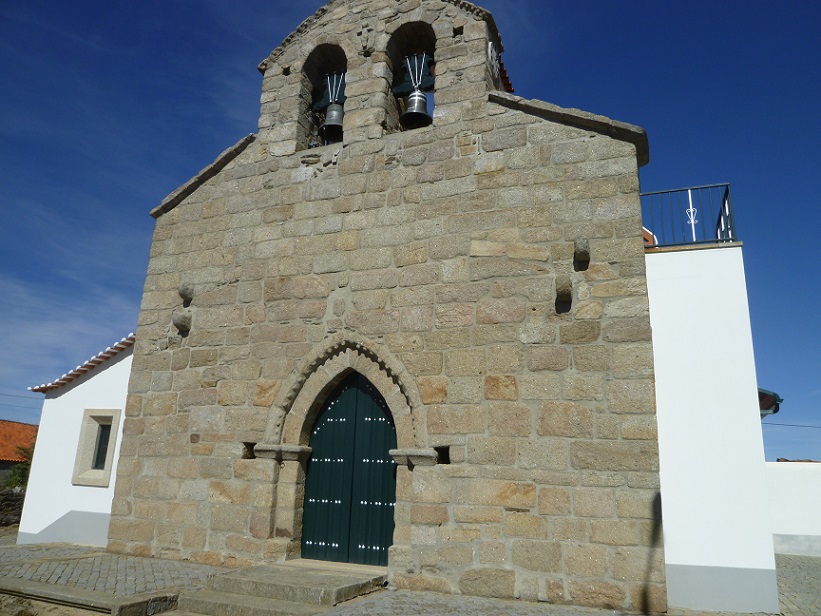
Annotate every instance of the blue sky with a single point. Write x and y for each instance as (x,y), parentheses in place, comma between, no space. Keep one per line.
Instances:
(108,106)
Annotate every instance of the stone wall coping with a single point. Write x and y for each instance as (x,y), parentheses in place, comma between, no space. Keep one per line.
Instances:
(580,119)
(688,247)
(306,25)
(176,197)
(282,453)
(414,457)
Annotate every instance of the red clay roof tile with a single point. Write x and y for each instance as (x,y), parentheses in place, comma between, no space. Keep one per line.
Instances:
(12,436)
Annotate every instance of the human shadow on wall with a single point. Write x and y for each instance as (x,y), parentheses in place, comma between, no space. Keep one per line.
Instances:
(655,544)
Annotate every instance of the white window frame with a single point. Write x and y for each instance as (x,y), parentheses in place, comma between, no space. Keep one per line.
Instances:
(84,473)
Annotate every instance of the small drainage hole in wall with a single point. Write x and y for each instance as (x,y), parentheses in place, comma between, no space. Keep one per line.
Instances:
(443,454)
(248,454)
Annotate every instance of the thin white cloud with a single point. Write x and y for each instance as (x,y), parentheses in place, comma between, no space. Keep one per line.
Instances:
(47,332)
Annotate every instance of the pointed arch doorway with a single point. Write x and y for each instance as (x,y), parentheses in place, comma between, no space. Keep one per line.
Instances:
(350,483)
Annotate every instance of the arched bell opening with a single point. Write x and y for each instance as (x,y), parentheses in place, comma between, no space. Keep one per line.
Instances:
(350,477)
(323,95)
(411,51)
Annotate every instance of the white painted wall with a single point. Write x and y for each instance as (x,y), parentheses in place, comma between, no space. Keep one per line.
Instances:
(795,506)
(54,509)
(717,534)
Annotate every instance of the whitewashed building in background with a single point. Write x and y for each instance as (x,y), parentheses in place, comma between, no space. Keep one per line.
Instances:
(718,542)
(75,459)
(795,506)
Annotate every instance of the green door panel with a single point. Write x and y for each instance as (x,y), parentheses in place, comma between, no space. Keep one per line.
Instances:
(350,486)
(327,510)
(374,487)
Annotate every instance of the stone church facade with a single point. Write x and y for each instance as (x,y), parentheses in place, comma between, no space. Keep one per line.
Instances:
(483,278)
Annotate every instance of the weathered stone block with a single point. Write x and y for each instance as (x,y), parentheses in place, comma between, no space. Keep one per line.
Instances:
(501,388)
(554,501)
(543,556)
(493,450)
(554,358)
(633,396)
(524,525)
(504,493)
(465,362)
(543,454)
(429,514)
(486,582)
(593,503)
(430,486)
(457,419)
(600,594)
(590,561)
(565,419)
(615,455)
(509,419)
(579,332)
(510,310)
(433,389)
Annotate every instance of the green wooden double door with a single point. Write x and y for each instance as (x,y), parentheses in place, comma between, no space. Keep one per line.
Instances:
(350,485)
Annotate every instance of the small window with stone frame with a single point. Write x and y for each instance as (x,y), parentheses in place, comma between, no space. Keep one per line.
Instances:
(95,449)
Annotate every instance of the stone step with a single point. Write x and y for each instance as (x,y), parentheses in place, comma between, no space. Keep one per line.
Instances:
(219,603)
(303,582)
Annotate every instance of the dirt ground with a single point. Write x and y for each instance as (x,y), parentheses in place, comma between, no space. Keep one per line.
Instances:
(18,606)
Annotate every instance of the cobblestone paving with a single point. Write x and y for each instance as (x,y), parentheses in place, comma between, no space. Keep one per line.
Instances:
(799,584)
(408,603)
(110,574)
(14,554)
(799,587)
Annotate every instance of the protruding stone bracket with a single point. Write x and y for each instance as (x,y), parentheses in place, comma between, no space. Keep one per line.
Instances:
(283,453)
(414,457)
(181,319)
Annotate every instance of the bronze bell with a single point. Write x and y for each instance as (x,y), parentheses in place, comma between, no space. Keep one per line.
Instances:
(331,130)
(416,115)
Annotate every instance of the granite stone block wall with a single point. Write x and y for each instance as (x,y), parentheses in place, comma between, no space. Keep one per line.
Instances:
(485,273)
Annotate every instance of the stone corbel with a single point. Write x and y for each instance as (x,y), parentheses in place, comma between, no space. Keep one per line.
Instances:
(283,453)
(414,457)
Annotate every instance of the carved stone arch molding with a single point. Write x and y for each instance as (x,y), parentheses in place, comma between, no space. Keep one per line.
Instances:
(294,410)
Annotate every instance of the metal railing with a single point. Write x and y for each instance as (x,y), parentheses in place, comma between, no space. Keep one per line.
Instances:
(695,215)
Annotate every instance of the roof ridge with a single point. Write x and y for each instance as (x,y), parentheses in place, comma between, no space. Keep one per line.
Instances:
(22,423)
(309,21)
(100,358)
(580,119)
(225,157)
